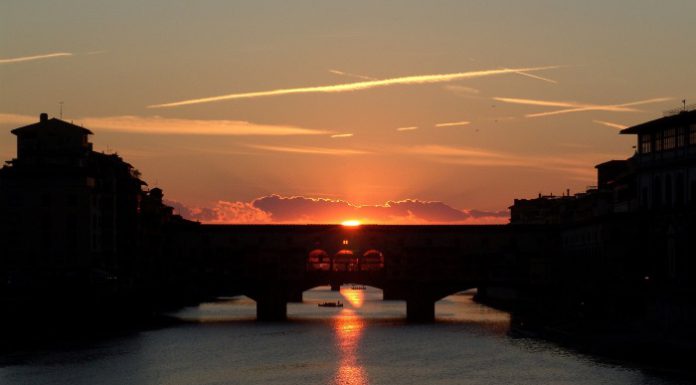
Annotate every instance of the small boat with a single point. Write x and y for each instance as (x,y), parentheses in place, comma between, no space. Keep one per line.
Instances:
(331,304)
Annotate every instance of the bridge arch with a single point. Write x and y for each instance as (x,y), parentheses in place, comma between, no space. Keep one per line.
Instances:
(318,260)
(345,260)
(372,260)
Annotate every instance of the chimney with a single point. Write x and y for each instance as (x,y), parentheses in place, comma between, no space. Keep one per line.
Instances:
(43,117)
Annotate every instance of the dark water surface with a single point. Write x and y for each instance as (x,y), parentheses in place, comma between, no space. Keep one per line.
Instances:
(365,342)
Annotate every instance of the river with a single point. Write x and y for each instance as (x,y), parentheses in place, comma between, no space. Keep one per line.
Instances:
(365,342)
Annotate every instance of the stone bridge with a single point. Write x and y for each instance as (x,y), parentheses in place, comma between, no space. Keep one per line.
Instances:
(420,264)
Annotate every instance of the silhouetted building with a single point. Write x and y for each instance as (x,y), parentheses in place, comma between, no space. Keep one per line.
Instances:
(628,244)
(659,178)
(65,209)
(665,162)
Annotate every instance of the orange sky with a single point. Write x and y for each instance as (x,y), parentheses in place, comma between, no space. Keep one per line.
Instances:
(395,112)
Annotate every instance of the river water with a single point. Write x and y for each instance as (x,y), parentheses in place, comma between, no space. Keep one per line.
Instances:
(365,342)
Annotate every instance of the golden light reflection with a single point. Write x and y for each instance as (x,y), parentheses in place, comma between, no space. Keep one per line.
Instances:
(351,223)
(348,328)
(354,297)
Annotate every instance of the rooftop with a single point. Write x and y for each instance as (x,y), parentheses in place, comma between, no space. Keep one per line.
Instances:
(52,125)
(682,118)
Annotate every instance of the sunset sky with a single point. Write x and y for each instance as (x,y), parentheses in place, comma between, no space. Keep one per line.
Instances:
(321,111)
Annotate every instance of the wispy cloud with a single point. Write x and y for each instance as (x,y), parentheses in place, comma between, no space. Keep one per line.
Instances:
(350,75)
(17,119)
(34,57)
(341,135)
(476,155)
(453,124)
(356,86)
(579,165)
(461,90)
(160,125)
(309,150)
(411,128)
(610,124)
(570,107)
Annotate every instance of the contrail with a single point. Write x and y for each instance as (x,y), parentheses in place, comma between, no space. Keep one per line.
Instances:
(309,150)
(35,57)
(357,86)
(536,77)
(577,107)
(363,77)
(407,128)
(610,124)
(452,124)
(608,107)
(341,135)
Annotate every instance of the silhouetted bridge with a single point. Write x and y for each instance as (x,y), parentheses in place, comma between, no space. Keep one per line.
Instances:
(420,264)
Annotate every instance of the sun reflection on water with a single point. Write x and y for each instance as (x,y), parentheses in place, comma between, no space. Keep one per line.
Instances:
(354,297)
(348,327)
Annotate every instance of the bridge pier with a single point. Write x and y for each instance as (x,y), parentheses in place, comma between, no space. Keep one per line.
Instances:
(295,296)
(419,309)
(271,305)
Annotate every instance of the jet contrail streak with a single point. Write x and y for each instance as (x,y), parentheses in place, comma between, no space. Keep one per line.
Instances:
(363,77)
(357,86)
(576,107)
(536,77)
(452,124)
(610,124)
(582,109)
(35,57)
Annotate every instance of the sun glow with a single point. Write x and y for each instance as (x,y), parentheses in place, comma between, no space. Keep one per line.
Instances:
(351,223)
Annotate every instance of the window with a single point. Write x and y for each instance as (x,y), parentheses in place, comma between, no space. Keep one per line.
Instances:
(681,137)
(668,141)
(658,141)
(692,134)
(645,143)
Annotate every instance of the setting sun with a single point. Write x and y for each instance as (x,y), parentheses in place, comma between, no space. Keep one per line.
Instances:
(351,223)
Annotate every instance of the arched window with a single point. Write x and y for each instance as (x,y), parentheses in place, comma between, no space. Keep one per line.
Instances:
(372,260)
(318,259)
(345,260)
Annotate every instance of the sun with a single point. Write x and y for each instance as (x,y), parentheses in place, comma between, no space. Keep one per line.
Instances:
(351,223)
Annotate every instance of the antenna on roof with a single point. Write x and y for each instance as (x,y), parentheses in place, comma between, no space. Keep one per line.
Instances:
(684,103)
(61,110)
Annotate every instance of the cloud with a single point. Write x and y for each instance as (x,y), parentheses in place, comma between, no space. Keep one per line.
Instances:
(576,165)
(461,90)
(160,125)
(300,209)
(309,150)
(356,86)
(577,107)
(341,135)
(222,212)
(337,72)
(452,124)
(17,119)
(411,128)
(35,57)
(610,124)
